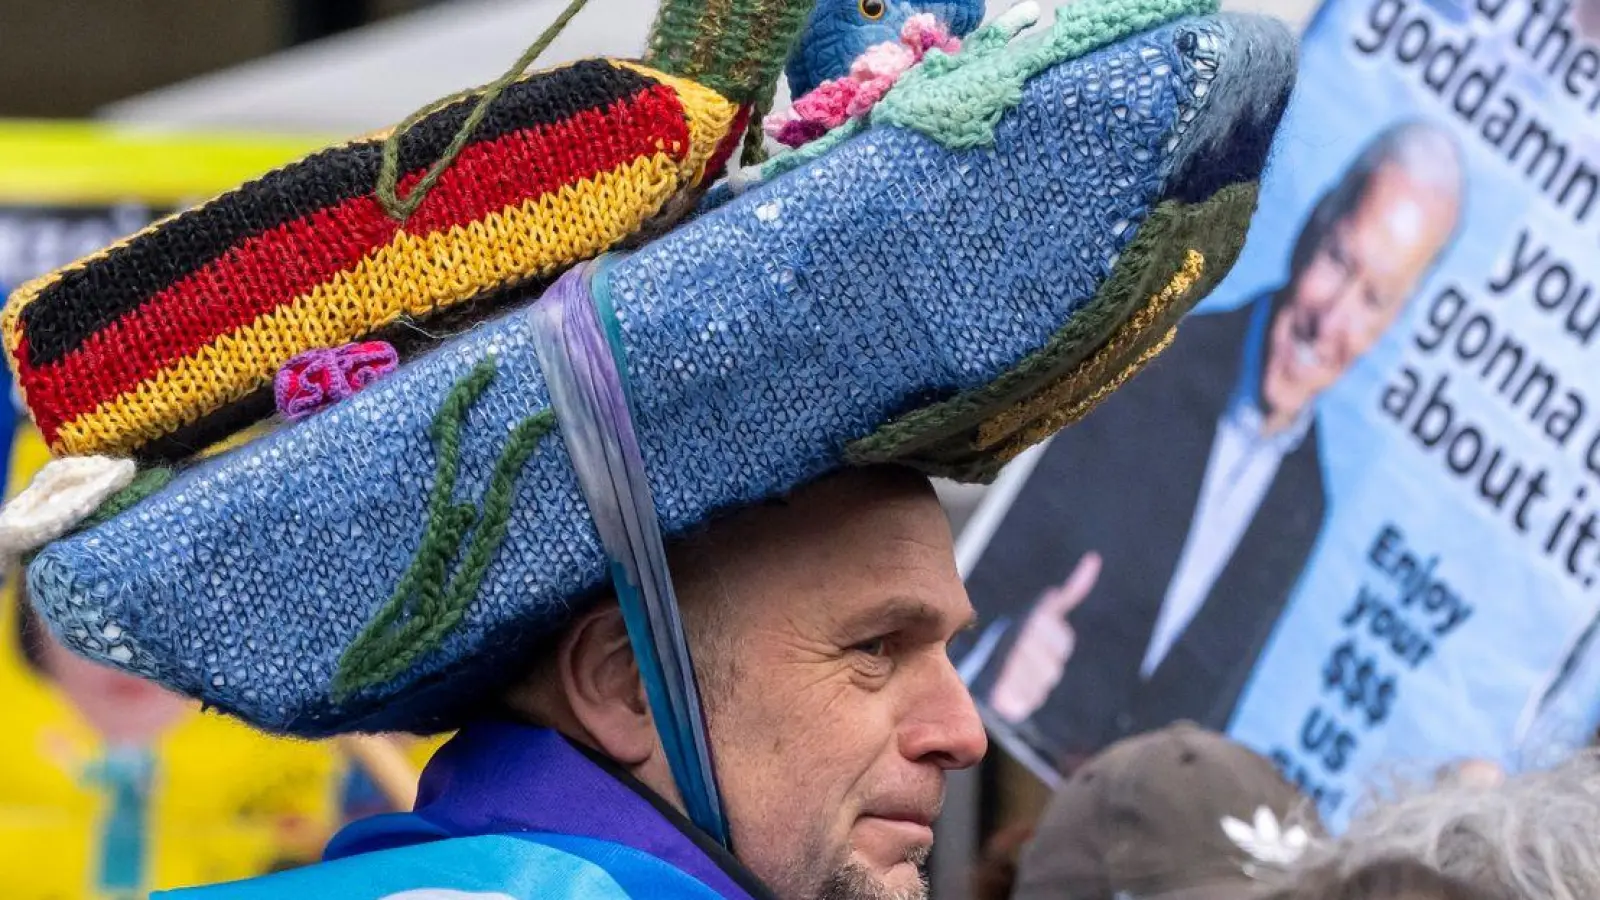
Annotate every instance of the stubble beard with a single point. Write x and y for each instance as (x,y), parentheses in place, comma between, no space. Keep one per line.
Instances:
(851,881)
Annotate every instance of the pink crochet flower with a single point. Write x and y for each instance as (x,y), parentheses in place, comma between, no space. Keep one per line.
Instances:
(923,32)
(837,101)
(319,378)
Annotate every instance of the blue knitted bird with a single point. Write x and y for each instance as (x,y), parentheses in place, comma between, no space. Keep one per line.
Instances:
(841,30)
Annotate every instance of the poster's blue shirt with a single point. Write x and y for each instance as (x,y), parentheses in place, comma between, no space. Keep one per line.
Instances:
(508,812)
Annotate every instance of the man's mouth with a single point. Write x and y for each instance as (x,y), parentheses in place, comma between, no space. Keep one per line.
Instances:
(1305,355)
(914,812)
(891,841)
(910,824)
(915,832)
(1303,343)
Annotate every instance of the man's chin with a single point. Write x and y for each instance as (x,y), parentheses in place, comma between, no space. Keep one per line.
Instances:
(1280,391)
(858,881)
(904,881)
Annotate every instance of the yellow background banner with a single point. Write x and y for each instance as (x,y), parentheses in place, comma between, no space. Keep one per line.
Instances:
(110,788)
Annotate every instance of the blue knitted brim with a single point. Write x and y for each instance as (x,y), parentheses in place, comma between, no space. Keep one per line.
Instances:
(761,338)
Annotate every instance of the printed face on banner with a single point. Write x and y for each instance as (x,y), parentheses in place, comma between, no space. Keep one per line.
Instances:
(1355,279)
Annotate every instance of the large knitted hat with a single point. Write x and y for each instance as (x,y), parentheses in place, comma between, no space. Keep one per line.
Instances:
(952,275)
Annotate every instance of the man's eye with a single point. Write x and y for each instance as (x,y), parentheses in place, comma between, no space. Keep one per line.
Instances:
(876,647)
(1337,253)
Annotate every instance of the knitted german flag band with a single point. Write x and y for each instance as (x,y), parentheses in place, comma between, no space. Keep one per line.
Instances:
(166,341)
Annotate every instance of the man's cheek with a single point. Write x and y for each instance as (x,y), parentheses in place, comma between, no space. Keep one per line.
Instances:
(1319,281)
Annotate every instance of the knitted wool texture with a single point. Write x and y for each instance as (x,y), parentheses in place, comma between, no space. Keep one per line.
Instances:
(1208,212)
(430,600)
(735,47)
(871,76)
(958,100)
(60,497)
(838,32)
(762,338)
(970,436)
(182,324)
(317,379)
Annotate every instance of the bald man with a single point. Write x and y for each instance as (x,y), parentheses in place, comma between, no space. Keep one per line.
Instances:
(1182,513)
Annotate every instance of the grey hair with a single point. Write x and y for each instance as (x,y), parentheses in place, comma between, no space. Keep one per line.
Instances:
(1536,836)
(1424,151)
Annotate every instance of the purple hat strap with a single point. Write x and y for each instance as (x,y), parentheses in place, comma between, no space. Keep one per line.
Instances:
(579,346)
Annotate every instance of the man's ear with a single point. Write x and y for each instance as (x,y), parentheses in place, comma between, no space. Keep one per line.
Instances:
(600,678)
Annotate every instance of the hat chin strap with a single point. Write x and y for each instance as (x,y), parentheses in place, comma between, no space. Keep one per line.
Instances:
(580,350)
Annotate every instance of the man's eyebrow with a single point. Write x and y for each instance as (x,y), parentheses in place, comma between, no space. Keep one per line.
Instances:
(906,614)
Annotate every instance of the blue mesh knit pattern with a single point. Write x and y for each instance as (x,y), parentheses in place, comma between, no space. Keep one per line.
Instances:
(761,338)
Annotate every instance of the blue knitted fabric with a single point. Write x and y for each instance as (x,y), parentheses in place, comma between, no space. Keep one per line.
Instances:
(761,337)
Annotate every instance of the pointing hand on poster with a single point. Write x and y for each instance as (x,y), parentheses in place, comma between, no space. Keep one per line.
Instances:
(1043,646)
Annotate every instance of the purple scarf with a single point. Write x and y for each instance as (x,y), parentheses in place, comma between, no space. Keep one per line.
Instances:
(500,778)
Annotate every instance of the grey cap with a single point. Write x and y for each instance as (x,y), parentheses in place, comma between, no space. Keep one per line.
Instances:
(1143,820)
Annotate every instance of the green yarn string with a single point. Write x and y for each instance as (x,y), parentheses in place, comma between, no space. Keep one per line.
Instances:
(388,188)
(754,151)
(436,599)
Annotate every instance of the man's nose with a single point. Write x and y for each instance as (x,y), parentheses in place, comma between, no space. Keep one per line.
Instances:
(943,727)
(1337,318)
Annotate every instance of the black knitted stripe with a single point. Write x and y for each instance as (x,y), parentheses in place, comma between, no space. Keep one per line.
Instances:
(86,300)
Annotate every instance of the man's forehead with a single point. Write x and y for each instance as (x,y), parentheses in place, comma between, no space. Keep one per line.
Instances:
(1398,207)
(1398,228)
(856,547)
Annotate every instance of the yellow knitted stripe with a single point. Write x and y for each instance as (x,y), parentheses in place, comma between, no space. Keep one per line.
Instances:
(1073,414)
(413,275)
(1062,402)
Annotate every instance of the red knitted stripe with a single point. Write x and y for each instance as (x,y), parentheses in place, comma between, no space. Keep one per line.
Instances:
(732,141)
(271,269)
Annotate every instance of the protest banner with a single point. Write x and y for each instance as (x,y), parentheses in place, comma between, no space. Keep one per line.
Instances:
(1352,516)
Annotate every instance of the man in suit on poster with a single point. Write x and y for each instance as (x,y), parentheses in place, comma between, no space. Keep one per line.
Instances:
(1158,541)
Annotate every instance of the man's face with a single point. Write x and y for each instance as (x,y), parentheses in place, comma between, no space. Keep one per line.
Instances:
(1356,281)
(837,712)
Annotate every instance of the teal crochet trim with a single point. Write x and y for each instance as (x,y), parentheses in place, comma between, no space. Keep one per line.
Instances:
(958,100)
(438,600)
